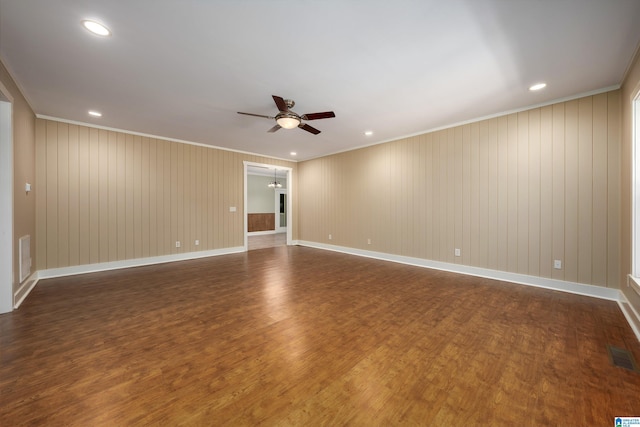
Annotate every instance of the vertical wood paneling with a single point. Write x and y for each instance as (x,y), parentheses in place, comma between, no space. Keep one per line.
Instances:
(474,210)
(145,198)
(196,214)
(436,204)
(535,202)
(153,198)
(585,186)
(572,189)
(106,196)
(41,194)
(137,196)
(466,234)
(515,193)
(173,180)
(63,194)
(599,199)
(613,188)
(546,191)
(484,222)
(211,212)
(167,226)
(512,193)
(112,196)
(94,195)
(443,200)
(187,191)
(83,169)
(492,195)
(121,196)
(52,194)
(74,193)
(523,193)
(502,211)
(103,194)
(129,197)
(456,165)
(426,220)
(558,128)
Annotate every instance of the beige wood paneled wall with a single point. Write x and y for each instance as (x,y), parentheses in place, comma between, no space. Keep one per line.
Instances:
(630,89)
(513,193)
(109,196)
(24,206)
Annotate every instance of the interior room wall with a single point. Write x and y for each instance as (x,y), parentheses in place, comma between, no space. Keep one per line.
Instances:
(110,196)
(630,87)
(513,193)
(260,197)
(24,206)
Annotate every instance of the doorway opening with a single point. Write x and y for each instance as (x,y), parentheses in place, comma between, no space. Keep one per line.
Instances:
(268,205)
(281,210)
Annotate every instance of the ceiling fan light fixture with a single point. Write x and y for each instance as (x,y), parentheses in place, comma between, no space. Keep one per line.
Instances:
(288,121)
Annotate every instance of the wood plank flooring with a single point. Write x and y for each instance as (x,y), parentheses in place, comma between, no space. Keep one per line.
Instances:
(262,241)
(299,336)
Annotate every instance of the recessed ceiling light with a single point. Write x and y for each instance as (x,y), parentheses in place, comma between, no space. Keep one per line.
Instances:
(293,153)
(369,133)
(96,28)
(95,113)
(537,86)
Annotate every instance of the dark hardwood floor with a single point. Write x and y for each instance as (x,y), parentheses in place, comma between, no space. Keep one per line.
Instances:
(298,336)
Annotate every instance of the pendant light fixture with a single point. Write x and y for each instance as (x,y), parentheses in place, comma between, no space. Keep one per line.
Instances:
(275,184)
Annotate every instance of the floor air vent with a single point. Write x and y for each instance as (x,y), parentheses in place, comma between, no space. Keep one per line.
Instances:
(622,358)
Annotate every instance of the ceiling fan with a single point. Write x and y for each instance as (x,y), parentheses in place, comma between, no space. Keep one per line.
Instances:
(289,119)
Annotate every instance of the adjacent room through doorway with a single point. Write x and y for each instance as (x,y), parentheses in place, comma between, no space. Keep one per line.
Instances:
(267,206)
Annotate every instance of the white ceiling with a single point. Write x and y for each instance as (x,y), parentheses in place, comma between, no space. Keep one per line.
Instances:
(182,69)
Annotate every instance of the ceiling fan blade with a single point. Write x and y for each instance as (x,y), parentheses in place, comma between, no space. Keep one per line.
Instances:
(256,115)
(316,116)
(273,129)
(308,128)
(282,106)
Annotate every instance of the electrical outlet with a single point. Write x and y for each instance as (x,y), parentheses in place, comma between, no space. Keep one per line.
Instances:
(197,242)
(368,241)
(330,237)
(457,251)
(232,208)
(177,243)
(557,264)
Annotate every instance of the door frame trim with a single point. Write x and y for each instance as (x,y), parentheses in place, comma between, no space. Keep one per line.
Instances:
(289,171)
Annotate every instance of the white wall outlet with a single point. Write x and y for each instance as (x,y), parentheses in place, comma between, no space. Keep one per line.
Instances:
(177,243)
(457,251)
(197,242)
(557,264)
(368,241)
(232,208)
(330,237)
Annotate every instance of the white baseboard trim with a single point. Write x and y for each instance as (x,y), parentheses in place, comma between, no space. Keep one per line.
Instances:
(261,233)
(633,283)
(115,265)
(522,279)
(630,313)
(25,289)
